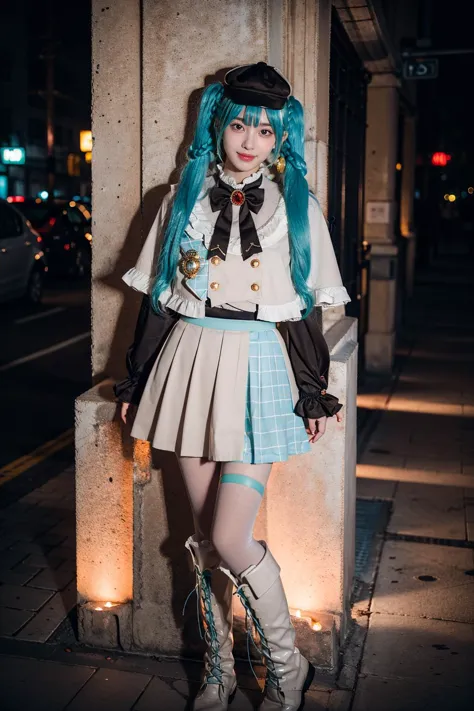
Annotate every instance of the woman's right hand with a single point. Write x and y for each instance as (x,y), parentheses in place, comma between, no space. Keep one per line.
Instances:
(124,410)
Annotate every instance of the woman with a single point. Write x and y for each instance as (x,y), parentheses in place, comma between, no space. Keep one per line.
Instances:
(230,254)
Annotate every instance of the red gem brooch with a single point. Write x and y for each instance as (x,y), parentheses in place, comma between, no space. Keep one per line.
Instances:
(237,198)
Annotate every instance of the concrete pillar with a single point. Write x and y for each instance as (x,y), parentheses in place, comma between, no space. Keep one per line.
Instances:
(312,534)
(379,227)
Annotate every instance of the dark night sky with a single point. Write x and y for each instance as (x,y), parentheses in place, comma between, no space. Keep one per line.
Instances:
(445,104)
(71,27)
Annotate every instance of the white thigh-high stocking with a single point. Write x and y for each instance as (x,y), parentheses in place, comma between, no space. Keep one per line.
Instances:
(201,481)
(238,501)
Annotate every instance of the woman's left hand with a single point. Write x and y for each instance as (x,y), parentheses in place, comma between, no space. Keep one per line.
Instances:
(316,428)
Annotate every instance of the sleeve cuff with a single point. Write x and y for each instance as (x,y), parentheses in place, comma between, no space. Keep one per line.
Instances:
(127,391)
(315,406)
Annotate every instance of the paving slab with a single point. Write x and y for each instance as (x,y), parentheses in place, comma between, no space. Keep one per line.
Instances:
(167,694)
(428,510)
(378,456)
(339,700)
(29,684)
(48,619)
(110,690)
(434,464)
(52,579)
(399,591)
(416,648)
(375,488)
(21,597)
(376,694)
(11,620)
(17,576)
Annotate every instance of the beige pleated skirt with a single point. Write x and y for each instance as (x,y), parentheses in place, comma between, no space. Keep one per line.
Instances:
(196,400)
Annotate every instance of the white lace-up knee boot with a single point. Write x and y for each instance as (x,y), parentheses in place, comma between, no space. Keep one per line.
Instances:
(288,673)
(215,601)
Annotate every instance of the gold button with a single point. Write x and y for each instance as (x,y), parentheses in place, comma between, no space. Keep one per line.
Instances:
(255,263)
(214,285)
(255,287)
(215,261)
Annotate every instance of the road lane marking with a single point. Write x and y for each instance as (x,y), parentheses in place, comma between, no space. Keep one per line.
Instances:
(42,314)
(44,351)
(22,464)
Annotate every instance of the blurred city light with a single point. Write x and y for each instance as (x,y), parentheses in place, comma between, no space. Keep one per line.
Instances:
(398,166)
(440,158)
(15,156)
(88,156)
(470,191)
(43,194)
(85,141)
(452,198)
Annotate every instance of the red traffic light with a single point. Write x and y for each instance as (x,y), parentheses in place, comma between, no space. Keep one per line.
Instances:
(440,158)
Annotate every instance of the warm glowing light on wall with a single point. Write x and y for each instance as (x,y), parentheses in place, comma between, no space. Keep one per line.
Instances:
(314,624)
(88,156)
(398,166)
(440,158)
(85,141)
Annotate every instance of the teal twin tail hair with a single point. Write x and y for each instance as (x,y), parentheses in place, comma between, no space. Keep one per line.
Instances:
(215,114)
(296,194)
(200,154)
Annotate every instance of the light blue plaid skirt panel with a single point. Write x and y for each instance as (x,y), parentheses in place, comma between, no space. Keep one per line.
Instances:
(272,431)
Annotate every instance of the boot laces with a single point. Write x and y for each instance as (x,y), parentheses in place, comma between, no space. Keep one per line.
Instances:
(272,679)
(205,616)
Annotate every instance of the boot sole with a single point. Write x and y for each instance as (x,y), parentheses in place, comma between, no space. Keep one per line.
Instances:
(306,685)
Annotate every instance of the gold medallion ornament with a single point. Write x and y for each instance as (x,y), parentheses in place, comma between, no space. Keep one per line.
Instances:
(190,264)
(280,164)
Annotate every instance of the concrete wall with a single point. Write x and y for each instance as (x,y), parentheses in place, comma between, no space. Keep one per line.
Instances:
(148,64)
(116,175)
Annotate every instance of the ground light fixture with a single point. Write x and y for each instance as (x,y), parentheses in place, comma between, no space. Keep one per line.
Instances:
(314,624)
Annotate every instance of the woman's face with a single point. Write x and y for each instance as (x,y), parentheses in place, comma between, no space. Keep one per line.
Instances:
(247,146)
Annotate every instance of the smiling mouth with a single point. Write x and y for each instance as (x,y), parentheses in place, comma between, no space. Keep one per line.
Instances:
(245,156)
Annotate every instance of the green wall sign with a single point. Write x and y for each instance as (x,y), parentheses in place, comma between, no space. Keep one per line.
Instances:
(13,155)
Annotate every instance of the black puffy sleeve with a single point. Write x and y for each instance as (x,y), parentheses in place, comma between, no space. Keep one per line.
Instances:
(309,357)
(150,333)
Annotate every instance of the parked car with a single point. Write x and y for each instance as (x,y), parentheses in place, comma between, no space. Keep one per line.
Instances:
(22,260)
(65,227)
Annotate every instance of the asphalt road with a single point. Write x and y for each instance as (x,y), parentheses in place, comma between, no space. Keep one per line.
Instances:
(44,364)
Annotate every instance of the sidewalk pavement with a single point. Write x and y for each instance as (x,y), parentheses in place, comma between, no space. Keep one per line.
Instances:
(419,649)
(412,645)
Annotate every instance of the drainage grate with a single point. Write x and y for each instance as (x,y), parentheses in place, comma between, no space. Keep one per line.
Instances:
(454,542)
(371,519)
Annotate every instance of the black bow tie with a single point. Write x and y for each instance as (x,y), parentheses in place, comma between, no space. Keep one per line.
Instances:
(249,198)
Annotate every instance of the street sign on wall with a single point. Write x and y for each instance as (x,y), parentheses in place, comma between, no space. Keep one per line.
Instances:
(419,68)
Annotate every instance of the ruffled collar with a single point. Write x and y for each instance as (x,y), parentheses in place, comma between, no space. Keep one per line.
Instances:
(229,180)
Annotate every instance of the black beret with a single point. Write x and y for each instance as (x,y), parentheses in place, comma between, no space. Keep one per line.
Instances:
(257,85)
